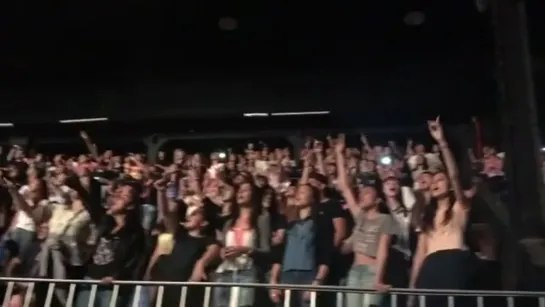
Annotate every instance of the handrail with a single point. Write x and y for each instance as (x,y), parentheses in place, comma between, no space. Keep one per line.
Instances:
(432,292)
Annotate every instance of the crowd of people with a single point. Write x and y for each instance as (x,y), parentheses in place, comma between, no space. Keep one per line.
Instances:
(369,217)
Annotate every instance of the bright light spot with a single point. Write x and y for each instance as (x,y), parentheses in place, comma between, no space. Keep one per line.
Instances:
(386,160)
(228,24)
(414,18)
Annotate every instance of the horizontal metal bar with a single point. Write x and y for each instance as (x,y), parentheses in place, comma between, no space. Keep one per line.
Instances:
(288,286)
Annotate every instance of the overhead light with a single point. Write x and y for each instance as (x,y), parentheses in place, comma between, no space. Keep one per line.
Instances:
(6,125)
(414,18)
(255,114)
(83,120)
(300,113)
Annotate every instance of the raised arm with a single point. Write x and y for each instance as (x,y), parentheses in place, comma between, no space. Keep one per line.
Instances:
(436,131)
(365,143)
(92,148)
(96,210)
(20,201)
(169,218)
(342,177)
(409,151)
(319,152)
(305,174)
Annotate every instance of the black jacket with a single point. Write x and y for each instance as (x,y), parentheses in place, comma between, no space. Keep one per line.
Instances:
(130,241)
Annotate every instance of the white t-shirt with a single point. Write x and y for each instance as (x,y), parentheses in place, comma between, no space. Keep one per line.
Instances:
(23,220)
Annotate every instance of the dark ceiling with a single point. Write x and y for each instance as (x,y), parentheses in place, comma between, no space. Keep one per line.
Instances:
(170,58)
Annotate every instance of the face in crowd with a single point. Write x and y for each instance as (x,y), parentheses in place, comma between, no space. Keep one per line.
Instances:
(391,187)
(195,219)
(440,185)
(244,194)
(368,197)
(306,196)
(424,181)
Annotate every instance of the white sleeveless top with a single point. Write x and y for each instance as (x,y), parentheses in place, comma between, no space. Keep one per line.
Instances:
(242,262)
(23,220)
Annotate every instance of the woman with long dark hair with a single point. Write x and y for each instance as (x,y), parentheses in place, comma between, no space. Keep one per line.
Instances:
(246,246)
(441,260)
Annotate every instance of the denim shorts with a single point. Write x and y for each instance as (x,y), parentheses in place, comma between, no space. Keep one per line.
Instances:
(297,277)
(363,277)
(223,295)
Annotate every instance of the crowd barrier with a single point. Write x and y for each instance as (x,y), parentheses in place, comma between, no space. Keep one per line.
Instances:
(509,297)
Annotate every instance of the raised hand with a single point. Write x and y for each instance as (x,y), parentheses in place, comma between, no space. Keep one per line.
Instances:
(363,138)
(436,129)
(84,135)
(340,143)
(6,183)
(318,146)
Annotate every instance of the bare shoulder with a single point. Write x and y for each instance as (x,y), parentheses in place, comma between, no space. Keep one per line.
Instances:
(460,206)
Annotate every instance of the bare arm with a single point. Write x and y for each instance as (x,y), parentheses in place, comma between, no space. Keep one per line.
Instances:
(319,152)
(409,149)
(275,273)
(10,155)
(436,131)
(339,225)
(92,148)
(154,257)
(306,169)
(11,266)
(320,165)
(342,178)
(212,253)
(170,218)
(382,256)
(22,204)
(421,251)
(365,143)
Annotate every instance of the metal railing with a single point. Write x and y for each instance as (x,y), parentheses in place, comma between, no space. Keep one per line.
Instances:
(139,286)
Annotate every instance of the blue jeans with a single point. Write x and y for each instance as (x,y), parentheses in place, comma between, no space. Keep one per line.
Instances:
(298,278)
(362,276)
(149,216)
(246,296)
(144,300)
(102,298)
(22,237)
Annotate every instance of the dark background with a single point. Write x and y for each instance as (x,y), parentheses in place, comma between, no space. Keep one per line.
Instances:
(141,60)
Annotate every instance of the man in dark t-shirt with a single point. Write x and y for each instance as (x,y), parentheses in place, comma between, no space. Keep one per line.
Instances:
(332,208)
(186,258)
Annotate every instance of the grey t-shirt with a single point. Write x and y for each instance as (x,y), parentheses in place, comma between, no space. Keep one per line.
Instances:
(367,233)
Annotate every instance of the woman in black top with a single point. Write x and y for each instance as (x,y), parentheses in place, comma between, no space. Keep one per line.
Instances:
(120,245)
